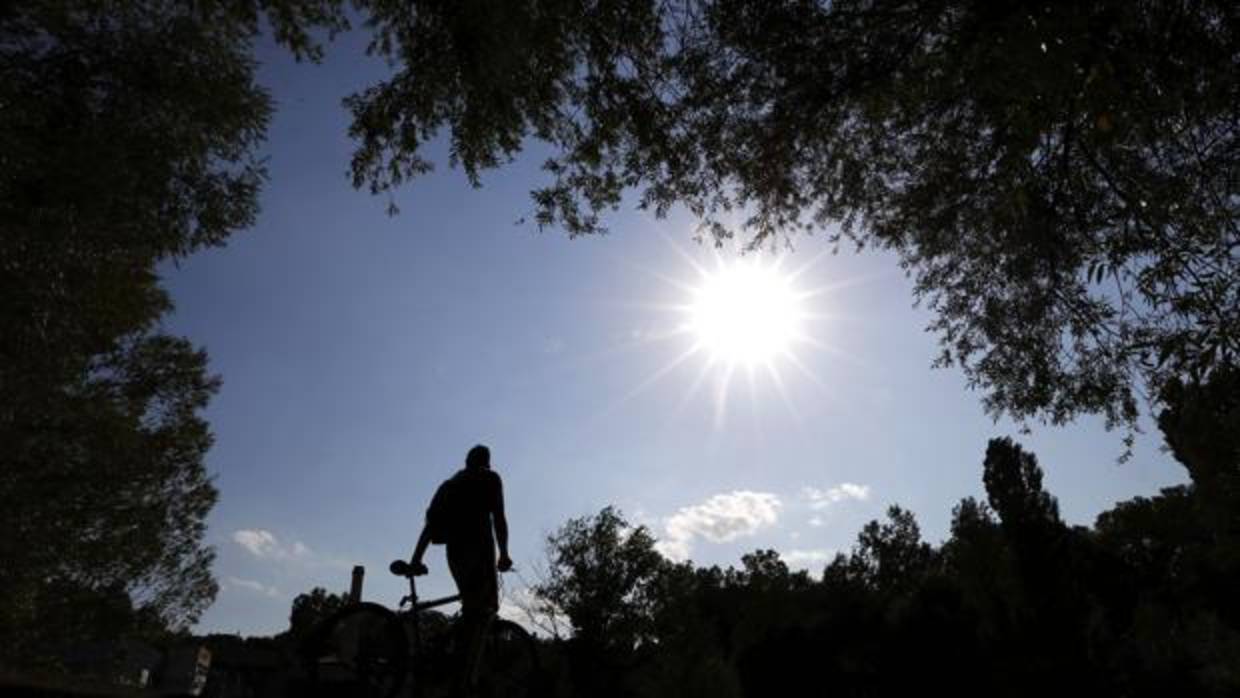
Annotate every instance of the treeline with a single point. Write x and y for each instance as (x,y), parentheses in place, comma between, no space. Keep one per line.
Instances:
(1015,602)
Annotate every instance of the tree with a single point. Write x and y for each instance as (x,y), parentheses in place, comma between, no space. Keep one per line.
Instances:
(600,575)
(1180,549)
(1182,546)
(604,576)
(765,570)
(1059,178)
(309,609)
(1014,488)
(1201,425)
(1044,548)
(106,490)
(889,558)
(128,133)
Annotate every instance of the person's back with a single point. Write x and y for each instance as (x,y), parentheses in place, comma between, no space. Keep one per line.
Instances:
(470,505)
(477,497)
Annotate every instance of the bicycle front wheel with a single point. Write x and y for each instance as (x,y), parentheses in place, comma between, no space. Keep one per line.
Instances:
(359,651)
(510,661)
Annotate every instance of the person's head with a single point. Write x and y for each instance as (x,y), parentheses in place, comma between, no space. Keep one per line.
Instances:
(478,457)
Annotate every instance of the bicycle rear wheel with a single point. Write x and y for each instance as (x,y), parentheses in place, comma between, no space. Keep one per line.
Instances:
(510,665)
(357,651)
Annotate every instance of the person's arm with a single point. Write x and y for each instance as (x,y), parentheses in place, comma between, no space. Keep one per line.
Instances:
(501,527)
(419,550)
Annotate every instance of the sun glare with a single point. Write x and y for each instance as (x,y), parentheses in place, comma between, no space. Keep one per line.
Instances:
(749,319)
(745,313)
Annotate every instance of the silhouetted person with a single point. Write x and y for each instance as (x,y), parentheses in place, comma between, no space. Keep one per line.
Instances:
(462,514)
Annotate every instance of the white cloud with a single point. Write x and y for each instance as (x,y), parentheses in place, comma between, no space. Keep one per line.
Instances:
(251,585)
(807,559)
(675,550)
(722,518)
(258,542)
(822,499)
(817,521)
(265,545)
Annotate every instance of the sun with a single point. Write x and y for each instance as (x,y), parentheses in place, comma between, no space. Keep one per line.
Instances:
(745,313)
(749,321)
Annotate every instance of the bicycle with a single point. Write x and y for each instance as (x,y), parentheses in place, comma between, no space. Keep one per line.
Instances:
(367,649)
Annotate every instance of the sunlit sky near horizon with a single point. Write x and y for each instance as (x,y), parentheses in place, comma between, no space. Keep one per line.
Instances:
(363,354)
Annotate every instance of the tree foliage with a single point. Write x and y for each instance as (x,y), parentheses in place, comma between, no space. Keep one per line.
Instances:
(308,610)
(1014,488)
(1060,179)
(601,574)
(889,558)
(128,136)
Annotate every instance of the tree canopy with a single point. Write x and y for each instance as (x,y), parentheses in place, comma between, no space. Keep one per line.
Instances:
(309,609)
(128,136)
(1059,179)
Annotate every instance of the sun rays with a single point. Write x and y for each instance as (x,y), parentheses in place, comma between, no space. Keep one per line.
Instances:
(743,317)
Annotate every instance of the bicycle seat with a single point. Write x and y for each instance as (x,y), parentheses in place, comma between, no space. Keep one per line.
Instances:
(400,568)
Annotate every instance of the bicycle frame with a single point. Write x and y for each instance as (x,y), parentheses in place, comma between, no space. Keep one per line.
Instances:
(417,607)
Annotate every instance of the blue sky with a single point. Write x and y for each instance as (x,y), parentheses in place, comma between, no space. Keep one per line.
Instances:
(363,354)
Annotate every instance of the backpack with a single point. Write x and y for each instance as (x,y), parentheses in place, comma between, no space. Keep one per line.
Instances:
(442,514)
